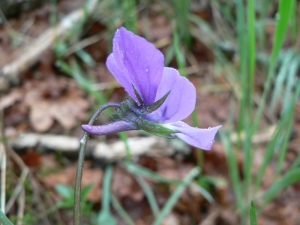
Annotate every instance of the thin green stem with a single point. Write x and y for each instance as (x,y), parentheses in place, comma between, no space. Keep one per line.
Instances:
(83,141)
(149,194)
(118,207)
(200,154)
(106,188)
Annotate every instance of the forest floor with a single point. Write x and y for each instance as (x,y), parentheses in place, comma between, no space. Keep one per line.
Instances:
(42,109)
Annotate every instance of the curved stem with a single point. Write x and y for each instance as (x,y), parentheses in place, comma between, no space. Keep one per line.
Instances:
(83,141)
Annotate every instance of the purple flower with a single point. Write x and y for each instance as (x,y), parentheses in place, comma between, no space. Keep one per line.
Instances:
(161,97)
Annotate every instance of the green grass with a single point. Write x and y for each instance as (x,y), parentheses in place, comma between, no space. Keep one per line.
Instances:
(253,219)
(246,30)
(175,196)
(281,70)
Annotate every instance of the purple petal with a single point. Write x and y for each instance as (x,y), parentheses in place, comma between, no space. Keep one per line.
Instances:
(136,61)
(199,138)
(181,100)
(111,128)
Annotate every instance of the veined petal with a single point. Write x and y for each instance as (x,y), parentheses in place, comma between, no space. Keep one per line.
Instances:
(200,138)
(136,61)
(181,101)
(111,128)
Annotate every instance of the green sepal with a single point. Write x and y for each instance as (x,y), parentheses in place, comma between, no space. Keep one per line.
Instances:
(125,111)
(138,95)
(154,106)
(153,128)
(162,135)
(130,112)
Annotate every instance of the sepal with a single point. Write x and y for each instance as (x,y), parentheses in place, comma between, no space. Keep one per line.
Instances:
(154,106)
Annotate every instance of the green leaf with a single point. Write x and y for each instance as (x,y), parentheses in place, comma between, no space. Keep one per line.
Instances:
(85,191)
(65,191)
(86,57)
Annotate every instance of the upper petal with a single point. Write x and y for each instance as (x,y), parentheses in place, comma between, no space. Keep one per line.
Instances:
(181,101)
(136,61)
(111,128)
(200,138)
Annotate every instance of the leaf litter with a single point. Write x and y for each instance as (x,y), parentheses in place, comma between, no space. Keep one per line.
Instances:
(44,99)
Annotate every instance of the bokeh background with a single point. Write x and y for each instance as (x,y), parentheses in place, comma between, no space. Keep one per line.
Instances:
(242,57)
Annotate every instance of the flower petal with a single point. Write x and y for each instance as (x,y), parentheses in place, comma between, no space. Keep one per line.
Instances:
(111,128)
(181,101)
(136,61)
(200,138)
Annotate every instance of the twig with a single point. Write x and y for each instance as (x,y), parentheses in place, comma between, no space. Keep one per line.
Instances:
(32,53)
(151,146)
(21,203)
(211,219)
(118,207)
(3,176)
(37,198)
(84,43)
(83,141)
(3,157)
(21,181)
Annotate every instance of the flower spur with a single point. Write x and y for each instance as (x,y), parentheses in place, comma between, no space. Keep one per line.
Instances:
(160,96)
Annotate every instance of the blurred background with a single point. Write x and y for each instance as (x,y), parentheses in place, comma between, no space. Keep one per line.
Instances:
(242,57)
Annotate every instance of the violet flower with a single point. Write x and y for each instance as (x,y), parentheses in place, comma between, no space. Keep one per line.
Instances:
(160,97)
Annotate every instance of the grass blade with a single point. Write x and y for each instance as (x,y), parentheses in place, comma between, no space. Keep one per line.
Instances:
(105,216)
(179,54)
(233,169)
(176,195)
(253,219)
(285,8)
(130,14)
(149,194)
(182,12)
(281,77)
(4,220)
(122,213)
(280,134)
(290,117)
(289,178)
(141,171)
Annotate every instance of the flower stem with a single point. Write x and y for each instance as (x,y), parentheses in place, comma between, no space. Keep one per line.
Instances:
(83,141)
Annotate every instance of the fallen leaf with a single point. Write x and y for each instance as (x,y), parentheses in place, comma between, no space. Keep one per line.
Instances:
(10,98)
(55,99)
(124,185)
(67,176)
(32,158)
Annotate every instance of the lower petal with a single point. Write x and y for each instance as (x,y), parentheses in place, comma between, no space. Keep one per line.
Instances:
(111,128)
(199,138)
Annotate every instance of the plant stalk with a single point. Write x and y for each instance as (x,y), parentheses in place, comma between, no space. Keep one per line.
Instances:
(83,141)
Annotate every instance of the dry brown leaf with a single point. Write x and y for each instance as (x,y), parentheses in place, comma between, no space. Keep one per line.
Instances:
(67,177)
(38,117)
(32,158)
(10,99)
(124,185)
(54,99)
